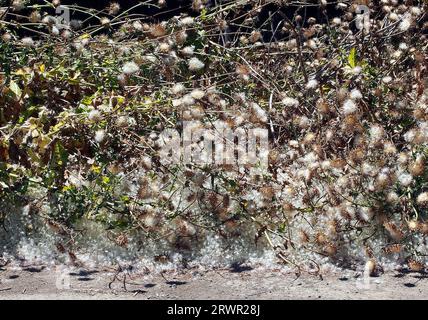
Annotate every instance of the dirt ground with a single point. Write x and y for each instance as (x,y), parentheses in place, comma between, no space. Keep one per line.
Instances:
(38,282)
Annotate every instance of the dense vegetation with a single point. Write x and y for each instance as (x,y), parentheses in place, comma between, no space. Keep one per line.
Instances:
(343,96)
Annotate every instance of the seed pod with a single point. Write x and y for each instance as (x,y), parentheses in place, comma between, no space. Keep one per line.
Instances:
(267,192)
(304,237)
(323,107)
(157,31)
(122,240)
(330,249)
(415,265)
(321,238)
(417,168)
(370,267)
(413,225)
(333,226)
(394,231)
(369,251)
(393,248)
(423,228)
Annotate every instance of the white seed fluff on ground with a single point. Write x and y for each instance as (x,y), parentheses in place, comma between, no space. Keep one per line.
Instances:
(387,79)
(356,94)
(130,68)
(188,51)
(349,107)
(197,94)
(195,64)
(27,41)
(94,115)
(100,136)
(290,102)
(178,88)
(405,24)
(312,84)
(259,113)
(422,198)
(187,21)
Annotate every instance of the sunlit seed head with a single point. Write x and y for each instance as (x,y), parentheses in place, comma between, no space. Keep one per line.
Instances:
(405,24)
(188,51)
(138,26)
(130,68)
(94,116)
(114,8)
(290,102)
(417,167)
(355,94)
(422,198)
(392,197)
(195,64)
(413,225)
(349,107)
(405,179)
(178,88)
(197,94)
(157,30)
(18,5)
(393,16)
(6,37)
(27,41)
(104,21)
(100,136)
(35,17)
(255,36)
(122,121)
(312,84)
(186,22)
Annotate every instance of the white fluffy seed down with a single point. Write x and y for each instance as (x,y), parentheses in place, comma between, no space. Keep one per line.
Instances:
(312,84)
(94,116)
(259,113)
(405,179)
(197,94)
(376,133)
(27,41)
(187,21)
(355,94)
(100,136)
(178,88)
(405,24)
(130,68)
(349,107)
(386,79)
(290,102)
(422,198)
(188,51)
(122,121)
(195,64)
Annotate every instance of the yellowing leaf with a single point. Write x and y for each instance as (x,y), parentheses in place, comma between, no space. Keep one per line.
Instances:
(67,188)
(120,99)
(85,36)
(96,169)
(352,58)
(20,72)
(15,89)
(43,142)
(42,68)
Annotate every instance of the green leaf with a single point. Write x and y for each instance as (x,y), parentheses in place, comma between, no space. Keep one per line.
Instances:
(60,154)
(203,15)
(352,58)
